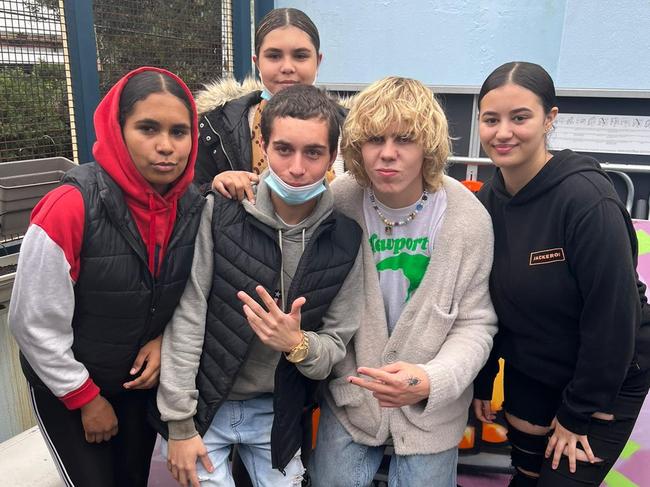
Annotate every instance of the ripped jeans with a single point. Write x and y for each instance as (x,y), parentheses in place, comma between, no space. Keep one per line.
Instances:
(530,400)
(247,424)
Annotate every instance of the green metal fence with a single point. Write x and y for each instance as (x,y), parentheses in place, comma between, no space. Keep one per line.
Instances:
(180,35)
(38,88)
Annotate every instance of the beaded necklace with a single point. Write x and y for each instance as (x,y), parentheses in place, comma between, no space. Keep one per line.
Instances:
(388,224)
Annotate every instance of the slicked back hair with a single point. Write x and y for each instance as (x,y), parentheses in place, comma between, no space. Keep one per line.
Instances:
(285,17)
(527,75)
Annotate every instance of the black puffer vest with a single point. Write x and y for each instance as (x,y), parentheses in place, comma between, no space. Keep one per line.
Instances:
(119,306)
(247,254)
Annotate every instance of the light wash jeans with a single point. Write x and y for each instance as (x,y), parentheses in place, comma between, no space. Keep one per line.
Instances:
(247,424)
(340,462)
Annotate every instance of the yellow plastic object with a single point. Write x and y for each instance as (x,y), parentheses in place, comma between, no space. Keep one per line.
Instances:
(497,393)
(490,433)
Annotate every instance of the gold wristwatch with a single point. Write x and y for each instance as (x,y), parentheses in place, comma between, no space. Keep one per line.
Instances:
(298,353)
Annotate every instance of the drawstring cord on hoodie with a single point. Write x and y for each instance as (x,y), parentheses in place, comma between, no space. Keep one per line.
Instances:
(284,299)
(154,266)
(152,236)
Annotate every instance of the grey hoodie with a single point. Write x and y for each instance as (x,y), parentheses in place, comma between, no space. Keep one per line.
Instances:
(183,338)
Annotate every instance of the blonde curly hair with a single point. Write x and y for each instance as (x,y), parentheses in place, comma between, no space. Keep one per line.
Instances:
(407,105)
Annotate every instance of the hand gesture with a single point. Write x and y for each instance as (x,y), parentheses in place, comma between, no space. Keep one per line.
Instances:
(276,329)
(564,441)
(395,385)
(149,357)
(483,410)
(99,420)
(181,460)
(236,184)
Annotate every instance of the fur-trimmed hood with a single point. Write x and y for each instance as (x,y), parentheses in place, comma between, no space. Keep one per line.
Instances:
(220,91)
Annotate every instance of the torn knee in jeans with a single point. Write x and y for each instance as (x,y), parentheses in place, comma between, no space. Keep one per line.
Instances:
(528,473)
(603,416)
(524,426)
(527,450)
(581,456)
(297,478)
(521,479)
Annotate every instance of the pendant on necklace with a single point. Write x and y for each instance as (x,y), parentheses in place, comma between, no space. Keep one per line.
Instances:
(388,229)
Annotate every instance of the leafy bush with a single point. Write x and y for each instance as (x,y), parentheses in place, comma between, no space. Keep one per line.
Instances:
(34,113)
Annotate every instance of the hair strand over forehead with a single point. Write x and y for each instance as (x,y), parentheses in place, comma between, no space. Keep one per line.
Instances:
(410,109)
(304,102)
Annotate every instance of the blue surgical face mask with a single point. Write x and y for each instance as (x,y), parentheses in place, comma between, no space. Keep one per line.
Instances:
(294,195)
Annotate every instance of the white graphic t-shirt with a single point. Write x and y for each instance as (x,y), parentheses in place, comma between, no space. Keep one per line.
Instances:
(403,255)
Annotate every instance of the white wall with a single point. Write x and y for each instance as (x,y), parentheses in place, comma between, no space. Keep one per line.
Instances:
(605,47)
(582,43)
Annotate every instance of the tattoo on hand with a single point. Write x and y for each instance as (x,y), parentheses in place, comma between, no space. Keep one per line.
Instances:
(412,381)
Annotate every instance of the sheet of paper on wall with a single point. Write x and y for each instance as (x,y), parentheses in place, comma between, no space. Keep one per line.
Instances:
(622,134)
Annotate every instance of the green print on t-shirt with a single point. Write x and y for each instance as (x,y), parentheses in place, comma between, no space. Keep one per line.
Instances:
(412,266)
(397,244)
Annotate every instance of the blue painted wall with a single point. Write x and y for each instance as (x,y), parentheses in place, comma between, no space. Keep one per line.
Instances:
(582,43)
(604,46)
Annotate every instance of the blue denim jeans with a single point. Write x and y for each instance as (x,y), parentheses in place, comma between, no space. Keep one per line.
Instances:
(340,462)
(247,424)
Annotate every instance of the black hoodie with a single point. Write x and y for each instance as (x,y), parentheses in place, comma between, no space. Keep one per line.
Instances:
(564,286)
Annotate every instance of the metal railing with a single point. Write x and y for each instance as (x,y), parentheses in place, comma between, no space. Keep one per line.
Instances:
(619,169)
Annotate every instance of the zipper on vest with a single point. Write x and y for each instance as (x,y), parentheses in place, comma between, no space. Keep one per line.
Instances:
(156,261)
(152,303)
(232,168)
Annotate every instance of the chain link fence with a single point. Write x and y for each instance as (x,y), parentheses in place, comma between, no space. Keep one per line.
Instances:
(192,38)
(184,36)
(34,104)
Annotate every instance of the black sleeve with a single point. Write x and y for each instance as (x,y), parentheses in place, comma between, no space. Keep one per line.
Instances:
(484,382)
(206,167)
(601,251)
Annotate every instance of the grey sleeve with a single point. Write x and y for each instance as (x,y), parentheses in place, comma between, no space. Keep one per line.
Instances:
(183,338)
(327,346)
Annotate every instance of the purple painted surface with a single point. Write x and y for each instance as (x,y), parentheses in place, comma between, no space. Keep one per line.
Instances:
(486,480)
(159,476)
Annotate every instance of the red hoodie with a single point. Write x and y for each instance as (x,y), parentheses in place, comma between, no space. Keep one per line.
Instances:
(154,214)
(42,304)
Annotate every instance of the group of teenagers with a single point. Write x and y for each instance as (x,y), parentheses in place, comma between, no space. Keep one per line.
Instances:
(202,279)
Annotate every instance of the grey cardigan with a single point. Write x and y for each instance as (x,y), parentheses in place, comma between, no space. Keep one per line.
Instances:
(446,328)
